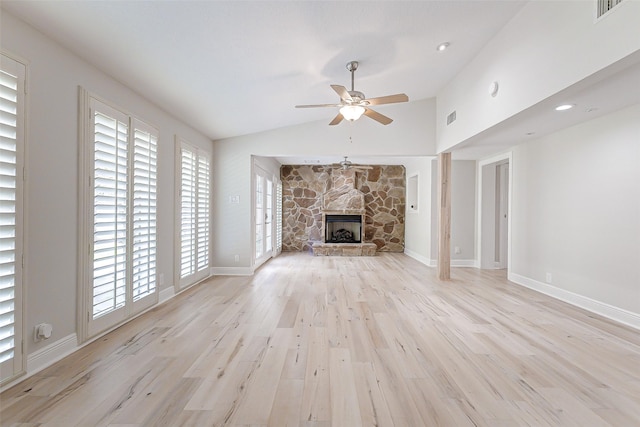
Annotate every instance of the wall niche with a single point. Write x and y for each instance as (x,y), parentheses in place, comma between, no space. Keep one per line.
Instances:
(303,186)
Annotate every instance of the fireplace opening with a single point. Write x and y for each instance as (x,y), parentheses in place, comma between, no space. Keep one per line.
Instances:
(343,229)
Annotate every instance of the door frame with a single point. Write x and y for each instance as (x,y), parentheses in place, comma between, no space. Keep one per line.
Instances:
(507,158)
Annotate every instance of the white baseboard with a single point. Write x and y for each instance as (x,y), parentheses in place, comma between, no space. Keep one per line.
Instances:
(231,271)
(47,356)
(166,294)
(609,311)
(434,262)
(417,257)
(464,263)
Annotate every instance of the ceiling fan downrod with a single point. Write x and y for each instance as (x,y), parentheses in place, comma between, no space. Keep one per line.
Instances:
(352,67)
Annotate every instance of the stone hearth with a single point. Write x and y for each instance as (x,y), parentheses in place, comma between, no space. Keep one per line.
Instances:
(344,249)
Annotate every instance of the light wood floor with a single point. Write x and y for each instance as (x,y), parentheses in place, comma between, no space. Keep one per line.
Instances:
(328,341)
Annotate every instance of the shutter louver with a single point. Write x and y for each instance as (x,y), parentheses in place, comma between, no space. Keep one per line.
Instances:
(279,217)
(194,214)
(144,214)
(110,214)
(203,213)
(8,189)
(188,213)
(121,207)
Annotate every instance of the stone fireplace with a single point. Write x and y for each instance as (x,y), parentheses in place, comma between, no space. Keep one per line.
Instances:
(343,217)
(311,192)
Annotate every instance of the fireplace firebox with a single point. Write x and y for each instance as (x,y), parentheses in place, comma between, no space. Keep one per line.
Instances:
(343,228)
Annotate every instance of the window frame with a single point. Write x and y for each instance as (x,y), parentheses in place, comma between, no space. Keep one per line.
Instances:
(199,274)
(90,327)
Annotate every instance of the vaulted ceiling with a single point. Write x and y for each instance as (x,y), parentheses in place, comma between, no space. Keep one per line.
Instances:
(230,68)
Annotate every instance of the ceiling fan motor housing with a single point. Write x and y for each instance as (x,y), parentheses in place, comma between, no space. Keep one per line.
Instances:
(357,96)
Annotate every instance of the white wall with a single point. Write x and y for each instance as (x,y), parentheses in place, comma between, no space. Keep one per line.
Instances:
(412,135)
(417,229)
(463,212)
(52,173)
(463,189)
(576,214)
(546,47)
(488,215)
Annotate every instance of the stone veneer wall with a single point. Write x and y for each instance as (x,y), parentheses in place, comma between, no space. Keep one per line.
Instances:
(384,195)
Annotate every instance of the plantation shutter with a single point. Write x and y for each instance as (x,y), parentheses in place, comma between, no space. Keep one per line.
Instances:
(144,211)
(203,212)
(12,76)
(110,134)
(188,213)
(195,212)
(122,153)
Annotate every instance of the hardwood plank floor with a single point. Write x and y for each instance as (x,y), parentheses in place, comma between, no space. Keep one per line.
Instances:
(330,341)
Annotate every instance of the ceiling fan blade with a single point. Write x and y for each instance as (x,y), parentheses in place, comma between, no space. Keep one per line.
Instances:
(337,119)
(318,105)
(389,99)
(380,118)
(342,92)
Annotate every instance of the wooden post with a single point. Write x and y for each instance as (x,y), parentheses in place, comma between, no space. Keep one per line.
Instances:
(444,216)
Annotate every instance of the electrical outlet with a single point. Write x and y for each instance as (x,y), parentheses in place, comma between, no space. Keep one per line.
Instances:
(549,278)
(236,258)
(42,331)
(457,250)
(161,277)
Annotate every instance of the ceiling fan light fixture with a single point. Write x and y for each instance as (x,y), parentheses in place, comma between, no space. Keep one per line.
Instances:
(443,46)
(352,112)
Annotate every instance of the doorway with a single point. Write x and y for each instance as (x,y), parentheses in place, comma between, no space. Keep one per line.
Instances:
(494,212)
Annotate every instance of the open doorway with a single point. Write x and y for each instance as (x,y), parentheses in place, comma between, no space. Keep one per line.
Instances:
(494,212)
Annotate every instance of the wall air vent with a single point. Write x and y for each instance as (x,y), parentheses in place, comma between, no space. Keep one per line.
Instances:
(605,6)
(451,118)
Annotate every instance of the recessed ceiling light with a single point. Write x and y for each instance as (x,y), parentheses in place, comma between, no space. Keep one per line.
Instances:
(564,107)
(443,46)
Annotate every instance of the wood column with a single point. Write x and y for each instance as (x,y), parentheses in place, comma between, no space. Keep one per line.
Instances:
(444,216)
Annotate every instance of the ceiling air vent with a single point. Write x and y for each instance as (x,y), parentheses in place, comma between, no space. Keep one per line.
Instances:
(451,118)
(605,6)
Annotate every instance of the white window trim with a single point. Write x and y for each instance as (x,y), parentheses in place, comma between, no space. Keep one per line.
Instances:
(85,235)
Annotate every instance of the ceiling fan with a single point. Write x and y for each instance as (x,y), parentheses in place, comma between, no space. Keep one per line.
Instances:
(354,104)
(346,164)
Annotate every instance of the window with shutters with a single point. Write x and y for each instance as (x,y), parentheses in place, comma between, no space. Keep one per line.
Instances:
(264,208)
(120,152)
(193,213)
(12,113)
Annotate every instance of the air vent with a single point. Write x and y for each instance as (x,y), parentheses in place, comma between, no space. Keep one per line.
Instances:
(451,118)
(605,6)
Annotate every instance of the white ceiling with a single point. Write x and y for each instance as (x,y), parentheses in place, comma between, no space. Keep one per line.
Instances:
(230,68)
